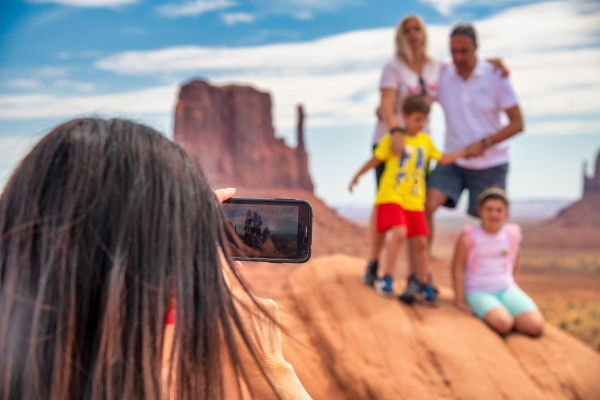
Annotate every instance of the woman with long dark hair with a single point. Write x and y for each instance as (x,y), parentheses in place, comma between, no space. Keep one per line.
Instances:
(108,231)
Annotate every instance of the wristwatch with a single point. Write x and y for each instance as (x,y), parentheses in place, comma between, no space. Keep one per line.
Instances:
(486,142)
(396,129)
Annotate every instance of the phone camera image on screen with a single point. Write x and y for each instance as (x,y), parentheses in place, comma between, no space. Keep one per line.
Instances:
(268,230)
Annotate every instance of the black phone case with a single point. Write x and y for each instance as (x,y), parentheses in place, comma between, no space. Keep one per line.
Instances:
(245,200)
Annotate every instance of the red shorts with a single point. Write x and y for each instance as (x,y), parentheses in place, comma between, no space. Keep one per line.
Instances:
(391,214)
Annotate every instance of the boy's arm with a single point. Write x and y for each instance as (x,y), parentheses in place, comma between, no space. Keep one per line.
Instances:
(449,158)
(373,162)
(459,260)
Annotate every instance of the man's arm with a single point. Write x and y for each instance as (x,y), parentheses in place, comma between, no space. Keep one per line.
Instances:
(372,163)
(515,125)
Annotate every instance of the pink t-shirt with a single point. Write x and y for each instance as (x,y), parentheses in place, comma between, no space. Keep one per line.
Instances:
(398,76)
(491,257)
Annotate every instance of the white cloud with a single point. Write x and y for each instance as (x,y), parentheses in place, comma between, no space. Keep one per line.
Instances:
(88,3)
(51,72)
(562,127)
(78,86)
(193,8)
(14,147)
(555,69)
(444,7)
(337,52)
(448,7)
(237,18)
(303,15)
(69,55)
(153,100)
(24,83)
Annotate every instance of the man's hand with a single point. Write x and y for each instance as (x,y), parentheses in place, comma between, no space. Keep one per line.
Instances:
(475,149)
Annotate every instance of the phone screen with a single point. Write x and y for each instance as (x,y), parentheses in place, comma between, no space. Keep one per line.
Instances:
(271,230)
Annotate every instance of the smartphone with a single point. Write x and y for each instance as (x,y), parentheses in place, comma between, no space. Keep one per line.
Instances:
(272,230)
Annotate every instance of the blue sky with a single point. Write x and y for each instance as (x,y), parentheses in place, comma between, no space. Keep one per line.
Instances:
(64,58)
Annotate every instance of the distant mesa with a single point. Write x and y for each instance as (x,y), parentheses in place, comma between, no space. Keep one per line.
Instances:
(229,128)
(591,184)
(585,211)
(577,226)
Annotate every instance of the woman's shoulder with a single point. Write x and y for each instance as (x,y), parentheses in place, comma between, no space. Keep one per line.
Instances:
(395,64)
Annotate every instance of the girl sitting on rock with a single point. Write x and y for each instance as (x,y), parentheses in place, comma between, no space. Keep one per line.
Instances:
(485,265)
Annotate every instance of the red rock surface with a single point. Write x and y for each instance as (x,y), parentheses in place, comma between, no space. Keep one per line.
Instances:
(230,130)
(347,342)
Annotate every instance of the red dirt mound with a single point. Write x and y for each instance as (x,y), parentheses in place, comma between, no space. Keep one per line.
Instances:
(348,343)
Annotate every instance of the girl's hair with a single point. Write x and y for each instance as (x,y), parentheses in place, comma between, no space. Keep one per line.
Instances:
(102,224)
(492,193)
(403,50)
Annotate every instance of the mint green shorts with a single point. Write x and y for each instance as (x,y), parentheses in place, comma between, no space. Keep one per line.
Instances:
(512,298)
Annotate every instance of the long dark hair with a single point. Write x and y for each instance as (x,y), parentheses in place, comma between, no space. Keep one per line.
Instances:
(102,224)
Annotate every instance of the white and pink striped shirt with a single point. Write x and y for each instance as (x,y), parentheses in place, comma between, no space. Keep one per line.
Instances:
(398,76)
(491,257)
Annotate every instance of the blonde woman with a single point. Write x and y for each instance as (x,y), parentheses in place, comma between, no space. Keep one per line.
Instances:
(411,71)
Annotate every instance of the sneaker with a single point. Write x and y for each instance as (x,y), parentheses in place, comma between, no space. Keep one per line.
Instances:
(370,275)
(427,294)
(384,286)
(411,291)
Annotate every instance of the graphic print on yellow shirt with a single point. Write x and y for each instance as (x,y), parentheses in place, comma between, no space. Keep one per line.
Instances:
(403,179)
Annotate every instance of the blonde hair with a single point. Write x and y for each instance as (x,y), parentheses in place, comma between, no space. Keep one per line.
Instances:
(403,50)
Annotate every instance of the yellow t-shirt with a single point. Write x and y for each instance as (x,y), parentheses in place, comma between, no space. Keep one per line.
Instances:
(403,179)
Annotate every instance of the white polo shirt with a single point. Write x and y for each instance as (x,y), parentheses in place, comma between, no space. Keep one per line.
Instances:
(398,76)
(473,108)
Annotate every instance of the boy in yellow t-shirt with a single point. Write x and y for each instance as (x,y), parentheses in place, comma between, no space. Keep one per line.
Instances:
(400,201)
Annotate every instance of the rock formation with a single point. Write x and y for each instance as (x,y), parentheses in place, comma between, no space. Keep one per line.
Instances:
(585,211)
(591,185)
(576,226)
(349,343)
(230,130)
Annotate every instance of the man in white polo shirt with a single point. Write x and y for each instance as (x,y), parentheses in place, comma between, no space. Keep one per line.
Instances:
(474,96)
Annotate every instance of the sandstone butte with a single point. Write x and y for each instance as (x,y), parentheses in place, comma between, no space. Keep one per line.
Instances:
(344,341)
(577,226)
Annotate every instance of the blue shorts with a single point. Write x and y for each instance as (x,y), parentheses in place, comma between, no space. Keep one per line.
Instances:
(512,298)
(452,180)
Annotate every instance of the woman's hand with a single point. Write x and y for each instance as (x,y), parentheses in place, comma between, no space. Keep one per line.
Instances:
(265,337)
(224,194)
(397,144)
